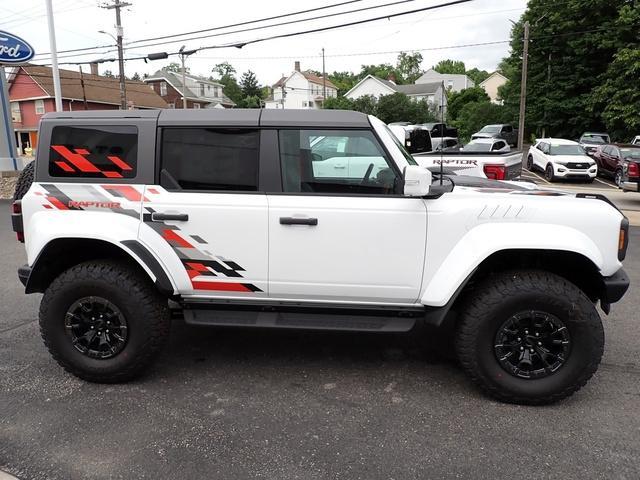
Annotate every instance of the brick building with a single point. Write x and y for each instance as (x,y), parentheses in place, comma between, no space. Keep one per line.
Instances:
(31,95)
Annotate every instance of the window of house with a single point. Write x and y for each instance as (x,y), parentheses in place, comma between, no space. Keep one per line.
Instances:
(93,151)
(216,92)
(202,89)
(15,112)
(163,88)
(209,159)
(196,105)
(39,107)
(335,161)
(449,83)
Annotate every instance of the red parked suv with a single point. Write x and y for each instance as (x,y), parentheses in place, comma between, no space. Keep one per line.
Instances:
(613,160)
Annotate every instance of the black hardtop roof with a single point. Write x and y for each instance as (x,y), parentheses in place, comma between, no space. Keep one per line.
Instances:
(236,117)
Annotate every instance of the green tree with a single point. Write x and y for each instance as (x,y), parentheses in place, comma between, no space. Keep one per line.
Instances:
(409,66)
(108,73)
(569,60)
(344,81)
(224,68)
(618,97)
(475,115)
(457,100)
(175,68)
(450,66)
(136,76)
(338,103)
(249,84)
(478,76)
(383,70)
(252,101)
(366,104)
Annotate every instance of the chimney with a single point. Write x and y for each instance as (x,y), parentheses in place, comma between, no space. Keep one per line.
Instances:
(94,68)
(297,66)
(392,78)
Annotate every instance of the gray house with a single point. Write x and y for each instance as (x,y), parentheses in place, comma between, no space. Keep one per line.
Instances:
(452,81)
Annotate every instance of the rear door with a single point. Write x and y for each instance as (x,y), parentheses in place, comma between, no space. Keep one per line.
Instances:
(343,239)
(206,219)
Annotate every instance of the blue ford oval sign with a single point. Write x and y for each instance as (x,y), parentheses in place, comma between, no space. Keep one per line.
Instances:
(13,49)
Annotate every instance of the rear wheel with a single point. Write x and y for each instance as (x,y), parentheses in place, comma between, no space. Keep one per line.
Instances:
(530,163)
(529,337)
(549,174)
(103,321)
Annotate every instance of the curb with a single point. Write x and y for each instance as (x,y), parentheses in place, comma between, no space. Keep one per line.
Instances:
(6,476)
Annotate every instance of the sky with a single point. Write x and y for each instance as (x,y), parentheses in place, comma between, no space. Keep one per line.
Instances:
(78,22)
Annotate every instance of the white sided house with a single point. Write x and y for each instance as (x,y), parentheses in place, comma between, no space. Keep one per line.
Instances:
(377,87)
(300,90)
(453,82)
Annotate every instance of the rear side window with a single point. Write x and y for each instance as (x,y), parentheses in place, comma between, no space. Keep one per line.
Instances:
(100,151)
(209,159)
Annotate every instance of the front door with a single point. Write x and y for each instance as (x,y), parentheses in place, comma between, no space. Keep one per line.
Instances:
(343,237)
(206,221)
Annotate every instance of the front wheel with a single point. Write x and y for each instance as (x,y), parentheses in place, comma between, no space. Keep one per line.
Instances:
(548,173)
(103,321)
(529,337)
(530,163)
(617,178)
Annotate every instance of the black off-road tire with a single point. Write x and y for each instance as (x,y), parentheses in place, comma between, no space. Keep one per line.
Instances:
(24,181)
(503,295)
(144,308)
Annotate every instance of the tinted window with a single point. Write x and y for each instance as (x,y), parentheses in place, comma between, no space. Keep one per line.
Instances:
(566,150)
(94,151)
(209,159)
(477,147)
(334,161)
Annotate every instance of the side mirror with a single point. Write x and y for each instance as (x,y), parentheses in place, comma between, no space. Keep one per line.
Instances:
(417,181)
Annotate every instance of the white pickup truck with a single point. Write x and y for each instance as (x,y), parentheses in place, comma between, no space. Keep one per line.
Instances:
(494,166)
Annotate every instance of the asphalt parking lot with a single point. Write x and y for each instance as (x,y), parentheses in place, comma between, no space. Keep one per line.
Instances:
(282,405)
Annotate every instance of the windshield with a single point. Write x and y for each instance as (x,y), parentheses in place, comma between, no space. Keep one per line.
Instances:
(630,152)
(566,150)
(595,138)
(407,155)
(490,129)
(477,147)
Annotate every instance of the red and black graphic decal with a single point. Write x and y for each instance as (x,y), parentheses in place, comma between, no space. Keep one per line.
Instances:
(81,162)
(205,271)
(88,197)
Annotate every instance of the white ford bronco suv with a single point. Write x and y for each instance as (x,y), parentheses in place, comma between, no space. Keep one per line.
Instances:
(232,216)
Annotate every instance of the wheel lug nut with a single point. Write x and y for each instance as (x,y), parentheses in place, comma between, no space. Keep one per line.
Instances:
(519,339)
(91,327)
(526,332)
(537,334)
(521,348)
(539,343)
(531,350)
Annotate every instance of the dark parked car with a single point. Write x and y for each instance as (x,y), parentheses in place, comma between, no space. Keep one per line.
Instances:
(611,159)
(590,141)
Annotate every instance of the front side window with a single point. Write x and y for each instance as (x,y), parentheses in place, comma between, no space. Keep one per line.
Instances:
(209,159)
(94,151)
(335,161)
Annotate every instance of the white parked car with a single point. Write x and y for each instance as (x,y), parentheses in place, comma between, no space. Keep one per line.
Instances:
(486,145)
(559,158)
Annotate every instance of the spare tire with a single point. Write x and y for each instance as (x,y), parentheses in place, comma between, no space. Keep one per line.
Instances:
(24,181)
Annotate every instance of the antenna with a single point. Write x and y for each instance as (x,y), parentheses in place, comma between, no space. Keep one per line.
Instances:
(441,130)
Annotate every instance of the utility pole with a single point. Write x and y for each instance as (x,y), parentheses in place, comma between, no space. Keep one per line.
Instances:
(84,94)
(324,81)
(57,91)
(183,54)
(117,5)
(523,85)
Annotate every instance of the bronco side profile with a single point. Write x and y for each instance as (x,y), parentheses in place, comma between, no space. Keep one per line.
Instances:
(233,217)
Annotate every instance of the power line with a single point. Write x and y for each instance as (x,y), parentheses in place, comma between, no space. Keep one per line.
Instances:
(248,22)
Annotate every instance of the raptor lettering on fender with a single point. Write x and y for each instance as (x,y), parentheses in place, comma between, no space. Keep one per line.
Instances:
(86,204)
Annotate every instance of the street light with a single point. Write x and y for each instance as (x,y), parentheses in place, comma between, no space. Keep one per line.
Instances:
(123,87)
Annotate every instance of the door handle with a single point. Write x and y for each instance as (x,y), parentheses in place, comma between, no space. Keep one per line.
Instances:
(298,221)
(160,217)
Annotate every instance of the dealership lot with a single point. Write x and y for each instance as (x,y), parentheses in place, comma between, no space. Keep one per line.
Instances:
(251,404)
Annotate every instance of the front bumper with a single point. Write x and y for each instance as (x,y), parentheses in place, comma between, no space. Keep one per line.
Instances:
(615,287)
(562,171)
(24,272)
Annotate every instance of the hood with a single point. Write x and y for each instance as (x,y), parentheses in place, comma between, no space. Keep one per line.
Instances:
(483,135)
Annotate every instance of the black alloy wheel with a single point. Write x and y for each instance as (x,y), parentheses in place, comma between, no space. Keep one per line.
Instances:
(96,327)
(532,344)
